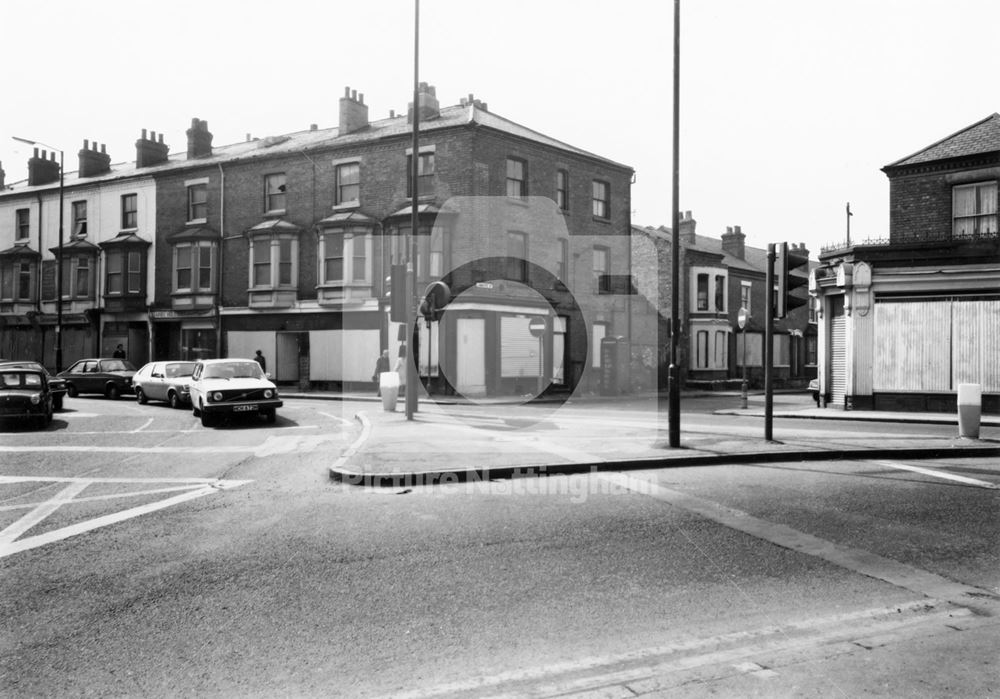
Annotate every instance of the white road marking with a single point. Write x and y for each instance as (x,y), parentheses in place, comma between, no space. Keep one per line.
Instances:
(40,512)
(337,417)
(10,543)
(939,474)
(143,426)
(98,498)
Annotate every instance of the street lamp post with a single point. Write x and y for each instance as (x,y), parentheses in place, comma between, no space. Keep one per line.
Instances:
(59,258)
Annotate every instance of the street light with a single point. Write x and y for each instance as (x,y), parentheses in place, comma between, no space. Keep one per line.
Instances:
(59,260)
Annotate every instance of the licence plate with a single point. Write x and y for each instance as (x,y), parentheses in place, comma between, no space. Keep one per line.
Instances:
(244,408)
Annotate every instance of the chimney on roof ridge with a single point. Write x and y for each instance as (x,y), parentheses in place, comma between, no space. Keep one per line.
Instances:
(42,170)
(199,139)
(92,161)
(149,151)
(353,112)
(686,229)
(428,104)
(734,242)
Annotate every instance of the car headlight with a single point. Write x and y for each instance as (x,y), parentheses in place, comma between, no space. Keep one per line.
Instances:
(217,396)
(36,398)
(268,393)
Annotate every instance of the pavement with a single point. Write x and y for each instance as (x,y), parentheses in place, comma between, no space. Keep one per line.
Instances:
(451,440)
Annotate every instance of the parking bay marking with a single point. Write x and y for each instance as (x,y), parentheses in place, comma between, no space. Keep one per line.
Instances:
(10,537)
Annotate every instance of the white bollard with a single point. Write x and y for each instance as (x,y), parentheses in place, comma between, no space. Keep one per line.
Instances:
(970,406)
(388,384)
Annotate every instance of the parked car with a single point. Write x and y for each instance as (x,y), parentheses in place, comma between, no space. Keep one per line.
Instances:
(25,395)
(227,387)
(166,381)
(109,377)
(57,386)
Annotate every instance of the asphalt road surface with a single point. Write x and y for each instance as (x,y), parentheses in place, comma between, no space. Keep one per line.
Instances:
(144,555)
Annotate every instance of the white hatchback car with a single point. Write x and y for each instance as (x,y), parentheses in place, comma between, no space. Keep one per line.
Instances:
(232,387)
(166,381)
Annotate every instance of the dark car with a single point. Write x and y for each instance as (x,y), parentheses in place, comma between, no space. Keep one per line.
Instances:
(109,377)
(25,395)
(57,386)
(232,387)
(166,381)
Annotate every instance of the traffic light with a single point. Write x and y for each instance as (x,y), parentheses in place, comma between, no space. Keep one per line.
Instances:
(436,297)
(792,271)
(398,294)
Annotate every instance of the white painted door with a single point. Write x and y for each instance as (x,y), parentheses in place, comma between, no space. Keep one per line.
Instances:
(287,361)
(470,348)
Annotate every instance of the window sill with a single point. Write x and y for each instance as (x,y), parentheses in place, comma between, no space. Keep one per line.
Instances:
(347,205)
(197,222)
(599,219)
(519,201)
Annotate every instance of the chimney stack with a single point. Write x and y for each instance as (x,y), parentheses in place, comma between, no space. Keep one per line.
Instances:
(427,103)
(92,161)
(685,232)
(353,112)
(41,169)
(199,139)
(149,151)
(734,242)
(2,175)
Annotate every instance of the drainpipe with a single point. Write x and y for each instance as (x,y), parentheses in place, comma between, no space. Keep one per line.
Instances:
(218,274)
(38,281)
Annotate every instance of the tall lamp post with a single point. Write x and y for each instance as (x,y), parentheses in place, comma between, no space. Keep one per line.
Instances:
(59,258)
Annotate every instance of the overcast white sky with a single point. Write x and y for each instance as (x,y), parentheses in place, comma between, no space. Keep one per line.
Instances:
(789,108)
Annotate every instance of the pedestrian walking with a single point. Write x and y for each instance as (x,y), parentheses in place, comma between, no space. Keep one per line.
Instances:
(381,366)
(119,352)
(260,360)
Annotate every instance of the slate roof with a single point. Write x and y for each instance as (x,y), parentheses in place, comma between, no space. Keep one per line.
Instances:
(981,137)
(311,140)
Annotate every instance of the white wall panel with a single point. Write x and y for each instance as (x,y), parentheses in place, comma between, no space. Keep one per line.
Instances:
(343,355)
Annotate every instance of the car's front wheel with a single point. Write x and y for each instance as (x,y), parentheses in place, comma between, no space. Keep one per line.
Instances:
(175,400)
(71,391)
(141,396)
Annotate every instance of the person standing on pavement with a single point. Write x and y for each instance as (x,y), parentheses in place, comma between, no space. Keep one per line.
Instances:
(260,360)
(381,366)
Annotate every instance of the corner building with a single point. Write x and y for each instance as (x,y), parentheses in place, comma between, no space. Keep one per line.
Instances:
(286,243)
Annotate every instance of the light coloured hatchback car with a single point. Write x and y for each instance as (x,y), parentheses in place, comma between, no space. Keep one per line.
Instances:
(230,388)
(166,381)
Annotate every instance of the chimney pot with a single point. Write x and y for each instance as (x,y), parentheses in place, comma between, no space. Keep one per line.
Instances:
(361,97)
(737,229)
(354,95)
(144,134)
(347,91)
(313,127)
(392,113)
(729,229)
(86,144)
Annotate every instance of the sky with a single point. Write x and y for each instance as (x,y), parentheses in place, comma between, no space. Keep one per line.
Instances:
(788,108)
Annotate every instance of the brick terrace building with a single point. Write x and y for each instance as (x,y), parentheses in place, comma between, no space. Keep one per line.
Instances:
(718,277)
(284,244)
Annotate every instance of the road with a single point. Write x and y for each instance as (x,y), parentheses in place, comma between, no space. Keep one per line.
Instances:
(166,559)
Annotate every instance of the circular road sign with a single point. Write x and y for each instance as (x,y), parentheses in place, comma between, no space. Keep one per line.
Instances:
(742,317)
(536,326)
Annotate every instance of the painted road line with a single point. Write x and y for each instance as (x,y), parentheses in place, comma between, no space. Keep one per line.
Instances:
(99,498)
(10,543)
(853,559)
(939,474)
(143,426)
(215,482)
(40,512)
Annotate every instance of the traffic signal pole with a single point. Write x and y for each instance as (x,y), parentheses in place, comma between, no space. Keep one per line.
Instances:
(769,346)
(412,363)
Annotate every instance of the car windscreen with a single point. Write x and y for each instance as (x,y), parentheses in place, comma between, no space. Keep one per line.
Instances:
(116,365)
(180,369)
(233,370)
